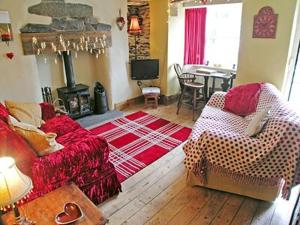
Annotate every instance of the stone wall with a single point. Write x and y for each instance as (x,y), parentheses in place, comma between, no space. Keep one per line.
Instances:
(143,39)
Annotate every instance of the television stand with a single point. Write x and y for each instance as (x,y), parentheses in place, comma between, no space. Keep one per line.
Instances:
(151,95)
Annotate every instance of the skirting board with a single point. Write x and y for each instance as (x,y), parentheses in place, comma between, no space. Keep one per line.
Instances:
(165,100)
(133,101)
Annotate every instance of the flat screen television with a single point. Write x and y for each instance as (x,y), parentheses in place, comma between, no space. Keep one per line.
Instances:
(145,69)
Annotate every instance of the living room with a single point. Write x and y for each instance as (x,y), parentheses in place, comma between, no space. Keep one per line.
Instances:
(147,158)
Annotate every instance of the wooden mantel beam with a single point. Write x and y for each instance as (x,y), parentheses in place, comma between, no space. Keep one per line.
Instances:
(53,37)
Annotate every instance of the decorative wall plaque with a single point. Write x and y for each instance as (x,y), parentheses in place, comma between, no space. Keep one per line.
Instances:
(265,23)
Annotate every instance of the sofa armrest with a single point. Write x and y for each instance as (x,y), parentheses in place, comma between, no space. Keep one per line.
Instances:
(48,111)
(62,166)
(217,100)
(220,147)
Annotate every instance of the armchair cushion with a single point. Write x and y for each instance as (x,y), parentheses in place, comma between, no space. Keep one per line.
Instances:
(242,100)
(257,123)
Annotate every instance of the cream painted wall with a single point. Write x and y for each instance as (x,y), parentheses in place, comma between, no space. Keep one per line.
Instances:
(265,59)
(159,39)
(19,78)
(30,72)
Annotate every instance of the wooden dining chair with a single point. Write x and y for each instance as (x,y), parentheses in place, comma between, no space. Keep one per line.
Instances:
(191,91)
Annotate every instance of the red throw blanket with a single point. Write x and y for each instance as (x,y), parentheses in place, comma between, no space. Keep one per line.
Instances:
(83,160)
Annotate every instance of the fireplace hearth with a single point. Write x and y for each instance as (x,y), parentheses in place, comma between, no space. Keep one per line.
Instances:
(76,97)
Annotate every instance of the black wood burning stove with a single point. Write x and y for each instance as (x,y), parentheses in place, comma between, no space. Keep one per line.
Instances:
(76,97)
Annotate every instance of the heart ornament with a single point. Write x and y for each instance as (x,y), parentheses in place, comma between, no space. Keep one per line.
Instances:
(10,55)
(72,212)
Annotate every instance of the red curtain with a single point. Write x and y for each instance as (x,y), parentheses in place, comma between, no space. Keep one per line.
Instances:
(195,25)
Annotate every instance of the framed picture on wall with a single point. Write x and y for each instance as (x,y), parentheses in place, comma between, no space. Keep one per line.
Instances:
(265,23)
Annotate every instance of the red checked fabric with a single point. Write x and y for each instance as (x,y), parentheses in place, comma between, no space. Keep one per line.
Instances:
(218,142)
(139,139)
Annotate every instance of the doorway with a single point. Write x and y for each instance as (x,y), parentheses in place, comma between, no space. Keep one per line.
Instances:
(294,93)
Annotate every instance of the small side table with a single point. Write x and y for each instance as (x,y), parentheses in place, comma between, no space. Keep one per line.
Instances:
(151,95)
(44,209)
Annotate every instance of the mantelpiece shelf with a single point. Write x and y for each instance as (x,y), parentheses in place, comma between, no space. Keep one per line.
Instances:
(53,37)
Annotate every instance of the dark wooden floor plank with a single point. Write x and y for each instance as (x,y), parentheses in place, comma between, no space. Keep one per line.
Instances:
(192,208)
(228,212)
(211,209)
(245,214)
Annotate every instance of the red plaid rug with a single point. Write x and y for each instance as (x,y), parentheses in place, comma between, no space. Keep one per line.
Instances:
(139,139)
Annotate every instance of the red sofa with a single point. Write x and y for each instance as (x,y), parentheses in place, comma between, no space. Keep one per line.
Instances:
(83,160)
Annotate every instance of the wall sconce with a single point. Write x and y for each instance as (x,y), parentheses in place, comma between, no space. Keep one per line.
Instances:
(134,29)
(5,27)
(120,21)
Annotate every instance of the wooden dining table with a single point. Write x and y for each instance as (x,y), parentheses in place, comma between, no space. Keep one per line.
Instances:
(213,73)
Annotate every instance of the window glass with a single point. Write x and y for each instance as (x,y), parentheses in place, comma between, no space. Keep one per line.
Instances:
(223,26)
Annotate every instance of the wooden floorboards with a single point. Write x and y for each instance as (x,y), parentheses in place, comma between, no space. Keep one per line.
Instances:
(159,195)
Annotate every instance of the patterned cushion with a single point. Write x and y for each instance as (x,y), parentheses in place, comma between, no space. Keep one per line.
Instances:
(258,122)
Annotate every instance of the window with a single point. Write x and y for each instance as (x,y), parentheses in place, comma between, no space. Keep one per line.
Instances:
(223,26)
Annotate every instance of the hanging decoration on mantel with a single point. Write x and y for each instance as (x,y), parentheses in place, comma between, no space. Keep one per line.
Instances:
(73,28)
(58,43)
(265,23)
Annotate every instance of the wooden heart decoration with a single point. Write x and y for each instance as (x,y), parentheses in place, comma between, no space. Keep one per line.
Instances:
(72,212)
(10,55)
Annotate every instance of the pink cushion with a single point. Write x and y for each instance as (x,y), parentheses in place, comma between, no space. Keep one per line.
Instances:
(3,113)
(242,100)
